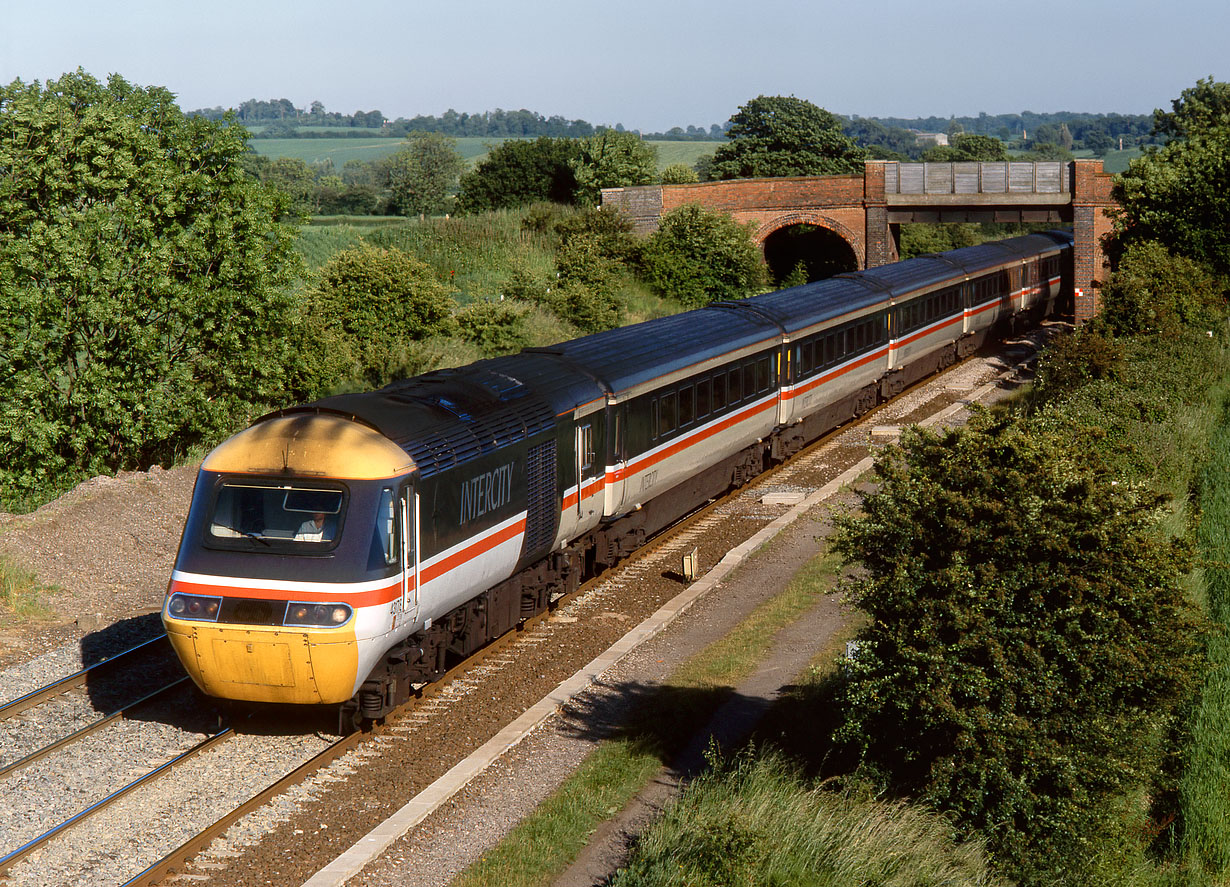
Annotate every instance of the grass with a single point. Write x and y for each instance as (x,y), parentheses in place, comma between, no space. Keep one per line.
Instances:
(475,255)
(21,595)
(757,821)
(1202,792)
(548,841)
(732,658)
(342,150)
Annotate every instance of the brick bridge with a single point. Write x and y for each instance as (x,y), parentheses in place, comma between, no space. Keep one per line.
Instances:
(866,210)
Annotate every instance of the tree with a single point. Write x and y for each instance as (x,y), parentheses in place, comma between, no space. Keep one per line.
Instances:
(1198,110)
(1098,140)
(1046,151)
(785,136)
(421,174)
(293,177)
(679,174)
(976,147)
(142,273)
(520,172)
(1028,637)
(1176,194)
(369,305)
(1153,291)
(612,159)
(698,256)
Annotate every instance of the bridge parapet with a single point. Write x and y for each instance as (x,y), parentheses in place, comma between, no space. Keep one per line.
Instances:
(1009,177)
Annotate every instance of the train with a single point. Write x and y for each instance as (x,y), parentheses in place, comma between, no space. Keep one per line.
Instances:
(347,551)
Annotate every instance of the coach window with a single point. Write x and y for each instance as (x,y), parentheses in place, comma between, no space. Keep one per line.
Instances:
(666,414)
(749,380)
(686,403)
(585,439)
(736,385)
(762,374)
(704,399)
(719,392)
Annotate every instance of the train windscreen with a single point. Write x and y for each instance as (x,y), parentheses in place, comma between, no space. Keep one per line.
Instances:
(276,515)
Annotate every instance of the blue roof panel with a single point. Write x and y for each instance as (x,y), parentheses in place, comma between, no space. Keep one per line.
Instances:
(802,306)
(631,355)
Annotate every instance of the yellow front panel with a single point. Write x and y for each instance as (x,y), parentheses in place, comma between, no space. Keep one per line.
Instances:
(268,664)
(251,661)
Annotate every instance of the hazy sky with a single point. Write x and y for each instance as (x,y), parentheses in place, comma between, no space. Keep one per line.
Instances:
(648,64)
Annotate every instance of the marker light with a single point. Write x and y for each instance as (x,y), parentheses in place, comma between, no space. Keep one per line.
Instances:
(317,615)
(193,606)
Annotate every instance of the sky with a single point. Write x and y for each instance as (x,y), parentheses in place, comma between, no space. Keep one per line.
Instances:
(646,64)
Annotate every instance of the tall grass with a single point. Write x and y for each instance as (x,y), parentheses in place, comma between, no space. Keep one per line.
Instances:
(475,255)
(756,821)
(1203,793)
(21,595)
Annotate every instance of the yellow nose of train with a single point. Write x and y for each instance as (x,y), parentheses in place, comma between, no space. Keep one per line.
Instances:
(268,664)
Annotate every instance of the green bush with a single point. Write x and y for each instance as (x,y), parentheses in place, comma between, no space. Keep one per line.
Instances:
(609,230)
(1153,291)
(697,256)
(367,308)
(496,327)
(1075,358)
(679,174)
(1029,637)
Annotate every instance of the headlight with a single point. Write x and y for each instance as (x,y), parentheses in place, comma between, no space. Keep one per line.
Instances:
(318,615)
(193,606)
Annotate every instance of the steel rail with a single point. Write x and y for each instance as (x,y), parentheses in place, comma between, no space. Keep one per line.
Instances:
(176,858)
(7,862)
(84,731)
(72,681)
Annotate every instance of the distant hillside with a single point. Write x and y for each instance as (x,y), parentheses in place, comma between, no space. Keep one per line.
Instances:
(341,150)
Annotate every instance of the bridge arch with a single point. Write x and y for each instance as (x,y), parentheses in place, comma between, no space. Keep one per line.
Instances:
(771,233)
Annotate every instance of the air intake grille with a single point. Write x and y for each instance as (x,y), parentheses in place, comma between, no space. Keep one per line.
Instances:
(540,493)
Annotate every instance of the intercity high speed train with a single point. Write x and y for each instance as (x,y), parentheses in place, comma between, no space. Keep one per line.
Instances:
(347,550)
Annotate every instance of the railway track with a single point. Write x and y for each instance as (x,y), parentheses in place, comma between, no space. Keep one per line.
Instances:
(234,787)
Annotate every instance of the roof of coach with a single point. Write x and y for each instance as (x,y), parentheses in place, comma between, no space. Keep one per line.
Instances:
(922,272)
(802,306)
(633,355)
(934,270)
(448,417)
(996,252)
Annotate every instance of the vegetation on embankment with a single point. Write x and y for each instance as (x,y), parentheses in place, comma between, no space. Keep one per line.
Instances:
(21,594)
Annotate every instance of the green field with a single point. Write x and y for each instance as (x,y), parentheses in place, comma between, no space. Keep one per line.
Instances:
(472,149)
